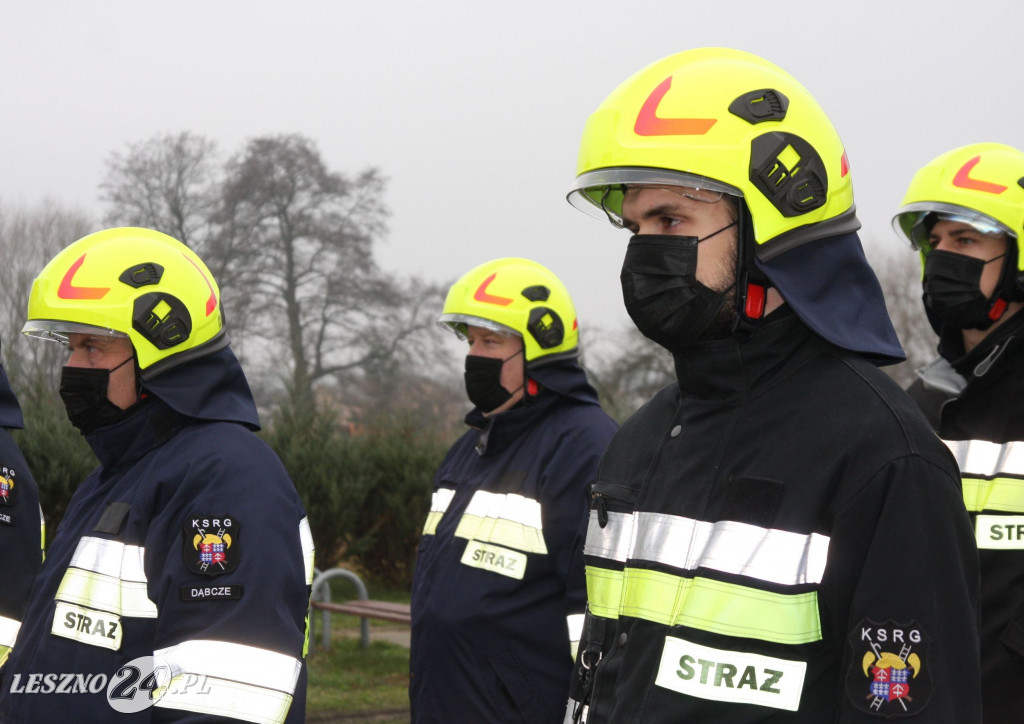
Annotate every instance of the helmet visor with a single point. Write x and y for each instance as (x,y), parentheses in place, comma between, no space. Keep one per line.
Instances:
(599,193)
(458,323)
(915,221)
(58,330)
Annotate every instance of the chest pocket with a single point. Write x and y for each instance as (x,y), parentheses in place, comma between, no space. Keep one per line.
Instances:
(104,583)
(502,526)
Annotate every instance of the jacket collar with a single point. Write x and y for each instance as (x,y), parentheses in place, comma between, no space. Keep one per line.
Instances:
(562,379)
(145,428)
(733,370)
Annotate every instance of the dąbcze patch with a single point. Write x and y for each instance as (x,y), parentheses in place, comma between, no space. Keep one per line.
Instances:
(211,544)
(888,675)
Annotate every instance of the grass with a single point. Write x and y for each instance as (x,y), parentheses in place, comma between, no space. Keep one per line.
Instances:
(352,684)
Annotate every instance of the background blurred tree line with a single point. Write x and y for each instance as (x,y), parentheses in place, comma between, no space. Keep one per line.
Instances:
(359,394)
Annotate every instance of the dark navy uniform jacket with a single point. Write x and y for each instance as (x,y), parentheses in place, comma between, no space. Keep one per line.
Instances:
(499,578)
(189,545)
(981,418)
(778,536)
(20,523)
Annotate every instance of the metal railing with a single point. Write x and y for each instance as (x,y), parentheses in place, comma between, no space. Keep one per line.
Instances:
(322,592)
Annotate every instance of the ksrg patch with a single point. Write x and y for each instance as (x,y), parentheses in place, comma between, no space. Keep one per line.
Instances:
(211,544)
(8,490)
(888,674)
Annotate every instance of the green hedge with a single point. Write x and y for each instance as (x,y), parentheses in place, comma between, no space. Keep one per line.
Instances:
(366,492)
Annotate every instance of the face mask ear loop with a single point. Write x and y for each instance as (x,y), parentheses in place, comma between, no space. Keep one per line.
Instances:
(751,283)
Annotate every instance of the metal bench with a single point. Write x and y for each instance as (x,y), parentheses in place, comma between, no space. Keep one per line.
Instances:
(362,607)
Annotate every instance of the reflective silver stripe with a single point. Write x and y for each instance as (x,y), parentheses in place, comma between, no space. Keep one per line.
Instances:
(613,541)
(439,503)
(570,708)
(441,499)
(8,630)
(108,576)
(308,549)
(241,682)
(981,458)
(575,623)
(507,519)
(766,554)
(111,558)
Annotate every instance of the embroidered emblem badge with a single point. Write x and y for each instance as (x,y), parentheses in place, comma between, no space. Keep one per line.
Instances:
(211,545)
(7,493)
(888,674)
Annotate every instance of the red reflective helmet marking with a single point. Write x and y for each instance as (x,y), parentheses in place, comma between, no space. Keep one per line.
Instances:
(67,290)
(481,294)
(963,179)
(648,123)
(844,166)
(575,324)
(211,302)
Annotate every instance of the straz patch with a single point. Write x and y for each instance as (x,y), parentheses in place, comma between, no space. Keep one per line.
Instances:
(87,625)
(210,545)
(210,593)
(999,532)
(888,673)
(731,676)
(8,491)
(496,559)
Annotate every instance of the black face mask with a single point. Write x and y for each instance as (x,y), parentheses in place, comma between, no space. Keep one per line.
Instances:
(84,392)
(661,292)
(483,382)
(952,289)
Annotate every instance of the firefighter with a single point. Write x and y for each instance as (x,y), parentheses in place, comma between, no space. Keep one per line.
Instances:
(185,557)
(777,535)
(21,523)
(964,213)
(498,591)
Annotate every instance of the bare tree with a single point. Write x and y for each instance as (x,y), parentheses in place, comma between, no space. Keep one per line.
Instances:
(168,183)
(899,271)
(29,238)
(627,369)
(172,183)
(309,232)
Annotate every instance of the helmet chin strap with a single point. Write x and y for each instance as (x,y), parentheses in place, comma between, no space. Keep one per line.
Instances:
(751,284)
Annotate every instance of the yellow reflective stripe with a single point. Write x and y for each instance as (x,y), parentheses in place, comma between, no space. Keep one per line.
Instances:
(705,604)
(106,593)
(433,518)
(604,591)
(501,532)
(507,519)
(220,697)
(308,549)
(5,651)
(8,630)
(1006,494)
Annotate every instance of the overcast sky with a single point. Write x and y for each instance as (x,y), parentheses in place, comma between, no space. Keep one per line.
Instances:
(474,109)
